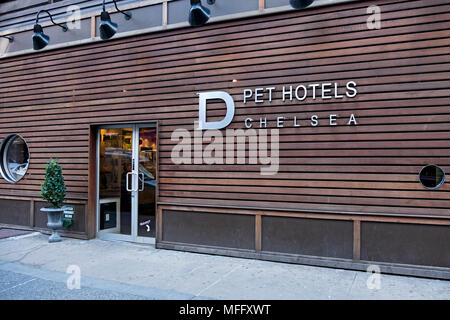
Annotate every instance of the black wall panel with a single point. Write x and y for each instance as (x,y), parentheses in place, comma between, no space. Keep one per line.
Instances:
(15,212)
(326,238)
(405,243)
(212,229)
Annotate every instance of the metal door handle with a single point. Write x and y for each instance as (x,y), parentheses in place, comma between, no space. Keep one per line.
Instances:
(127,184)
(143,181)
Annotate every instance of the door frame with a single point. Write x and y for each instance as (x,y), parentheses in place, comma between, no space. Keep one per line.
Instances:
(135,201)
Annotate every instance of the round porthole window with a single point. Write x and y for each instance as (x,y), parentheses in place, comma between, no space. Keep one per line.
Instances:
(432,177)
(15,158)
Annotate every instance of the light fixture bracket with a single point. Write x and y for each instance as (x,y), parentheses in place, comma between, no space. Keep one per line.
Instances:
(127,14)
(63,26)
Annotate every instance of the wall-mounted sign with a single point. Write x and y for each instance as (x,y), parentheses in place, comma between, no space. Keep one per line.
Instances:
(288,94)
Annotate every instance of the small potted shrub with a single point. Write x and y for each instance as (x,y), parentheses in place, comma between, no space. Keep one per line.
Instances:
(53,191)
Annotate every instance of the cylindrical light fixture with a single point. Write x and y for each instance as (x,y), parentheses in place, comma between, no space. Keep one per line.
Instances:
(41,40)
(108,28)
(300,4)
(198,14)
(10,38)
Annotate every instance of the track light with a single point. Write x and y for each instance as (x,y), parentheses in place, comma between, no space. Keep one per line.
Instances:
(107,27)
(198,14)
(41,40)
(300,4)
(10,38)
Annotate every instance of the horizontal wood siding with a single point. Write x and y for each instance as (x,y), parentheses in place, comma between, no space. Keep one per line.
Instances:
(403,106)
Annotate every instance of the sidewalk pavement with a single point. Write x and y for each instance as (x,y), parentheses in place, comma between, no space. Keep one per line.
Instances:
(32,268)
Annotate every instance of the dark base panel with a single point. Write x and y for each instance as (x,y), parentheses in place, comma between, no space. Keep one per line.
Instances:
(406,243)
(211,229)
(312,237)
(15,212)
(25,214)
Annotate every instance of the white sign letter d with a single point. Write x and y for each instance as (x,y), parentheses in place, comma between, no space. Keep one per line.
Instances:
(203,98)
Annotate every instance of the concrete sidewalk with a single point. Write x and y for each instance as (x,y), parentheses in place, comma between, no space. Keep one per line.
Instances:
(31,268)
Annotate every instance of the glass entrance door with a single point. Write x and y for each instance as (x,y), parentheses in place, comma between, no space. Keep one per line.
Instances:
(115,162)
(127,168)
(146,214)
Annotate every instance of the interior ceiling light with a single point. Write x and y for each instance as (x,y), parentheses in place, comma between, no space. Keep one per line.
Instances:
(41,40)
(10,38)
(107,27)
(300,4)
(198,14)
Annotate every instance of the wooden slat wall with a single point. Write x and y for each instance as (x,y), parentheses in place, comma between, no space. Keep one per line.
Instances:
(403,110)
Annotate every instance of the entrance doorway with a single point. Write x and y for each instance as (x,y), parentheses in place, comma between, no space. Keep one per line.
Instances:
(126,182)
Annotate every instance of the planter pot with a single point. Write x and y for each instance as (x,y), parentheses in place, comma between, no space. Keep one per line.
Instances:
(54,222)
